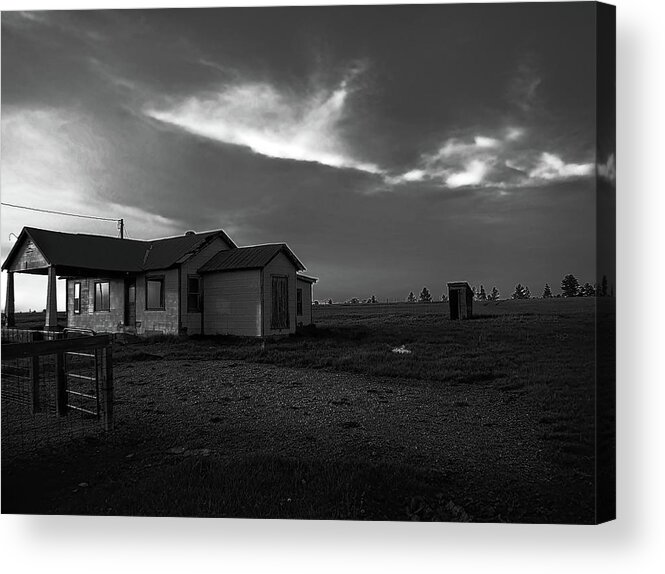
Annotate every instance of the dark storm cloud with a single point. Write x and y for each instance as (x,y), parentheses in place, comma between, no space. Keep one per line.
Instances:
(389,146)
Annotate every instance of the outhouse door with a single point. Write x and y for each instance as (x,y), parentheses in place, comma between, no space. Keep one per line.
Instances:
(454,304)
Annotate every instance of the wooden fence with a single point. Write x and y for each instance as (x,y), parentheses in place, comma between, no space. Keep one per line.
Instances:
(52,389)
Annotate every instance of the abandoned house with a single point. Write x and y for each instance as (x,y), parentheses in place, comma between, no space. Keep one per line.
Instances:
(196,283)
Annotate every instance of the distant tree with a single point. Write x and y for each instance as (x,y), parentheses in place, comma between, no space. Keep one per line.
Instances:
(373,299)
(603,287)
(494,294)
(520,292)
(527,293)
(330,301)
(411,298)
(587,290)
(547,293)
(482,296)
(425,296)
(354,301)
(316,302)
(444,297)
(570,286)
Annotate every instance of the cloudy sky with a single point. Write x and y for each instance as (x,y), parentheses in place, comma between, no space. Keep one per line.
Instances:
(390,147)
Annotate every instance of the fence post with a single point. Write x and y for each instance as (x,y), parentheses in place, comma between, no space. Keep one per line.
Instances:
(36,406)
(107,389)
(60,385)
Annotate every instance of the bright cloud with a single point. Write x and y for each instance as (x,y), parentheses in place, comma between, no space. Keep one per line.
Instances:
(271,121)
(455,147)
(414,175)
(473,174)
(499,162)
(551,167)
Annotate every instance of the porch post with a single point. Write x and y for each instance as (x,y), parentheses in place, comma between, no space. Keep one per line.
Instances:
(9,300)
(52,301)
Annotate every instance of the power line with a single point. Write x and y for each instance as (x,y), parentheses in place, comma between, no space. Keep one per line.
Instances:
(59,212)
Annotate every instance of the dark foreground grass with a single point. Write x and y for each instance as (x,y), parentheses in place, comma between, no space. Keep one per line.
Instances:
(259,486)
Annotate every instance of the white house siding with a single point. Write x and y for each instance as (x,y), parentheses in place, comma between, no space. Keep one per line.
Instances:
(306,317)
(166,320)
(191,322)
(280,265)
(232,303)
(101,321)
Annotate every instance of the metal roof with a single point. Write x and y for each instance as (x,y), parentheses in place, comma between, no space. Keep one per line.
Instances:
(255,257)
(99,252)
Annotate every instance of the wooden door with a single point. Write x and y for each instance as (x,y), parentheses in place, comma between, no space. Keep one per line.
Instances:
(280,302)
(454,304)
(130,302)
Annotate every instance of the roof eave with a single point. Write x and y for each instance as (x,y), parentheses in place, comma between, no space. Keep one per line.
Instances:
(202,271)
(307,278)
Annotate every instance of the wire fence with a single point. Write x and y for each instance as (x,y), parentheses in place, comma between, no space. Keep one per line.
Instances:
(53,391)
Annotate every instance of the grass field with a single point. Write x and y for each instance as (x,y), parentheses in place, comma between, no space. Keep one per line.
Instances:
(487,419)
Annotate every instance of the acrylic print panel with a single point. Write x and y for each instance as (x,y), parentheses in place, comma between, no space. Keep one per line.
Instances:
(399,221)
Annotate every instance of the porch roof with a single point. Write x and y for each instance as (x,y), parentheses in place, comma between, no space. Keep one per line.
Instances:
(83,254)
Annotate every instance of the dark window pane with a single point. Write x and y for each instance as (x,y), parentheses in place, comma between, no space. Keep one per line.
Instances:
(193,294)
(299,301)
(154,288)
(77,297)
(102,297)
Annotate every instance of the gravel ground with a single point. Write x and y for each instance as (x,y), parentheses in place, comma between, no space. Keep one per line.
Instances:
(484,446)
(485,443)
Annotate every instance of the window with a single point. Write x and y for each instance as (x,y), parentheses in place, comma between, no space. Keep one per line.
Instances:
(77,297)
(299,301)
(154,293)
(193,294)
(102,297)
(280,302)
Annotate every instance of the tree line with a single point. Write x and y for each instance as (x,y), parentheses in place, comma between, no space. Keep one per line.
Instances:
(570,287)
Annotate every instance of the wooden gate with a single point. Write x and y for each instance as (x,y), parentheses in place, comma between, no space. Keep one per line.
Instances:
(56,390)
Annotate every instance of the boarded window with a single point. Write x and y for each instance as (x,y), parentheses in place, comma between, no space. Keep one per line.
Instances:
(280,302)
(299,301)
(154,293)
(102,297)
(193,294)
(77,297)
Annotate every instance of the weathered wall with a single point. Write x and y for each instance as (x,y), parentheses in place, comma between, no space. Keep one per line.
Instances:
(306,317)
(280,265)
(191,322)
(232,303)
(165,321)
(110,321)
(28,257)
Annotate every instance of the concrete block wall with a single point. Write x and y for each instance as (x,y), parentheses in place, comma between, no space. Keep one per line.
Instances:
(101,321)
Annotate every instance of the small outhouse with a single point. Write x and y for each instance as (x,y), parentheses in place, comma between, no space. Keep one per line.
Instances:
(460,296)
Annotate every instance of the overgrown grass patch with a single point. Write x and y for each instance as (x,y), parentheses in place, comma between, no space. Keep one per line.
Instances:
(266,486)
